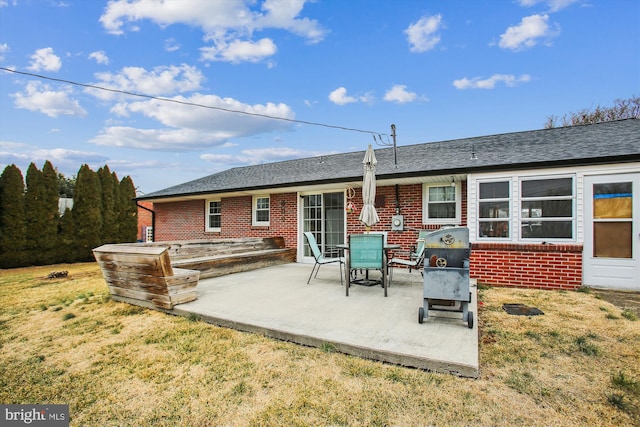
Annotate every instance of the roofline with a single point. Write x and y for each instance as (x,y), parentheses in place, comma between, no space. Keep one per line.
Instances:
(467,170)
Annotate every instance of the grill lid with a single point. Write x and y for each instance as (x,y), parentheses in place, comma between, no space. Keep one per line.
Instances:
(448,238)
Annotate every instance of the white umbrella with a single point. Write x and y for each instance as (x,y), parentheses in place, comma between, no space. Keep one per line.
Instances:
(369,216)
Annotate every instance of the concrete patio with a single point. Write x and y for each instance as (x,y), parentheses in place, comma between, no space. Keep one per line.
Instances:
(278,303)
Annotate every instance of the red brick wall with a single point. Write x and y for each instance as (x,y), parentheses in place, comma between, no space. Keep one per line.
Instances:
(186,220)
(410,197)
(499,264)
(527,265)
(179,220)
(144,218)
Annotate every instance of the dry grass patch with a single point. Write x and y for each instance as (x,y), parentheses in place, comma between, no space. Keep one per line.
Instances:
(64,341)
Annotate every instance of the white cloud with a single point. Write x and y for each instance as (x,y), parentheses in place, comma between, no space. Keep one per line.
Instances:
(65,160)
(285,14)
(229,25)
(40,97)
(554,5)
(423,35)
(189,127)
(399,94)
(100,57)
(10,145)
(4,48)
(219,158)
(478,83)
(45,59)
(340,97)
(527,33)
(239,51)
(63,156)
(163,80)
(171,45)
(259,155)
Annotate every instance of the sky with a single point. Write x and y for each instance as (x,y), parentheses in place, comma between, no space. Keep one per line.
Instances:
(170,91)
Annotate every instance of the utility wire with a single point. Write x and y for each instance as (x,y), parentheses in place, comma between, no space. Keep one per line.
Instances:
(193,104)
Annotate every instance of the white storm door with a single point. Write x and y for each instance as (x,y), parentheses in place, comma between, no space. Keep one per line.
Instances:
(612,231)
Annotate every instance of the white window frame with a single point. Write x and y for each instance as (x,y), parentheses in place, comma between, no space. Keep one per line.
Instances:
(425,204)
(254,210)
(516,218)
(207,214)
(509,199)
(572,198)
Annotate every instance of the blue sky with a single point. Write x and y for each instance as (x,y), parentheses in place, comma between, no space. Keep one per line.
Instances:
(438,70)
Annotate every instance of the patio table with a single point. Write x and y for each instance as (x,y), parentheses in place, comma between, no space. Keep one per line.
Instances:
(366,282)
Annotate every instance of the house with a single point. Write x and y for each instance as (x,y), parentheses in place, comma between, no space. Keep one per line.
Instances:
(555,208)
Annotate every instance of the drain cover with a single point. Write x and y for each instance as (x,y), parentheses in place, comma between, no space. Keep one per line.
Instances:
(521,310)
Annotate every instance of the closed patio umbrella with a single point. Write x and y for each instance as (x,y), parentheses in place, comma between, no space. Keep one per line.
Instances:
(369,216)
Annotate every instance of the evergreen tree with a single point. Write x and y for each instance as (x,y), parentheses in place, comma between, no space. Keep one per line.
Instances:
(108,184)
(128,219)
(87,216)
(12,221)
(49,239)
(115,235)
(65,185)
(35,216)
(66,238)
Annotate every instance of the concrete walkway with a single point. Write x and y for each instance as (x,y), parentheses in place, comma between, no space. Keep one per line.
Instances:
(277,302)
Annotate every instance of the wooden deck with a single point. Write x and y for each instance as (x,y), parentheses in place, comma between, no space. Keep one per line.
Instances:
(167,273)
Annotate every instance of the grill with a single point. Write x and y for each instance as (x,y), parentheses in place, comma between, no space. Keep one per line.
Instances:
(446,273)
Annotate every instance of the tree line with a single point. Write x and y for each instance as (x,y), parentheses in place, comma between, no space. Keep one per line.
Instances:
(32,231)
(622,109)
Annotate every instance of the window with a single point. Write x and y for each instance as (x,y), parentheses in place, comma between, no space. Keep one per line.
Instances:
(542,208)
(442,204)
(214,215)
(494,209)
(261,210)
(546,209)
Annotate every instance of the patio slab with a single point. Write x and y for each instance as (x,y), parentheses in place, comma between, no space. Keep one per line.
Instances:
(277,302)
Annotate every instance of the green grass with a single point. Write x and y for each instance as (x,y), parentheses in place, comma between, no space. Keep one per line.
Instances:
(119,364)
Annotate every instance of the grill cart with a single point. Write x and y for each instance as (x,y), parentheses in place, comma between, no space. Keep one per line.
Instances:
(446,273)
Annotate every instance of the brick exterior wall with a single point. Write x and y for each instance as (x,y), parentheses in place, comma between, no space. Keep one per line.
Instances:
(144,218)
(498,264)
(410,197)
(186,220)
(527,265)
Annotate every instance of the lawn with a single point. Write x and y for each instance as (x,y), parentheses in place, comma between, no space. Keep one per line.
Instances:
(63,340)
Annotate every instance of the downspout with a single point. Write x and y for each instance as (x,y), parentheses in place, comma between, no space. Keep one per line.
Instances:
(153,220)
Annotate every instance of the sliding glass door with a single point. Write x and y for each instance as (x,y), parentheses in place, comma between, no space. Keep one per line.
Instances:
(323,215)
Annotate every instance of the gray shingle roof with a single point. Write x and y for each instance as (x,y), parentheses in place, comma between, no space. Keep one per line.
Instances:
(608,142)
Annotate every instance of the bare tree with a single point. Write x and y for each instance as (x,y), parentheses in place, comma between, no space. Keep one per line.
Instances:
(622,109)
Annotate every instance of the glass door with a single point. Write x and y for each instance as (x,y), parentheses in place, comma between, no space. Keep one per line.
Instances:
(323,215)
(612,241)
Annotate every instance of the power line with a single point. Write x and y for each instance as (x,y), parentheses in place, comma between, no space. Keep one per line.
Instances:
(193,104)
